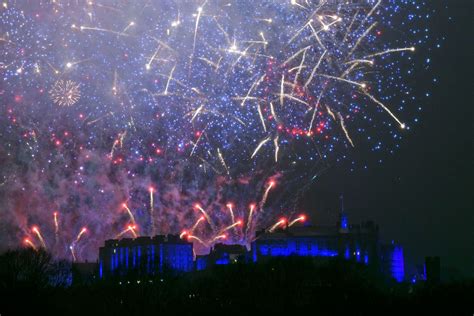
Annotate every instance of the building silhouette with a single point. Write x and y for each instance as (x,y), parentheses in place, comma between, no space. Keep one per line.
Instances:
(433,270)
(145,256)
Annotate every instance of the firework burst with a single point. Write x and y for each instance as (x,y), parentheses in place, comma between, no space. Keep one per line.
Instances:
(65,92)
(187,105)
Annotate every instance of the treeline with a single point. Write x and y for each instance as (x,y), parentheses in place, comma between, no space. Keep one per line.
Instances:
(32,282)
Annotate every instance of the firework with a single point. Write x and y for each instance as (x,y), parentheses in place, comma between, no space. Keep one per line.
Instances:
(130,228)
(206,215)
(230,206)
(130,214)
(56,224)
(218,237)
(265,195)
(152,210)
(301,218)
(73,253)
(82,232)
(29,243)
(196,224)
(183,233)
(191,237)
(281,222)
(249,221)
(36,230)
(182,97)
(65,92)
(238,223)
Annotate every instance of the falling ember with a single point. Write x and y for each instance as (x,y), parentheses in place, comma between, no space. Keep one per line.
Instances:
(197,223)
(35,229)
(277,224)
(30,244)
(130,214)
(302,218)
(183,233)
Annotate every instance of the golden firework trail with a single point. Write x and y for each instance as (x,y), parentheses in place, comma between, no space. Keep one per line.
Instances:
(315,69)
(315,111)
(249,221)
(130,228)
(223,236)
(402,125)
(196,224)
(170,77)
(73,253)
(277,147)
(302,218)
(343,126)
(82,232)
(98,29)
(208,218)
(152,210)
(221,159)
(359,40)
(40,237)
(389,51)
(129,211)
(277,224)
(196,113)
(128,26)
(263,142)
(238,223)
(229,206)
(282,90)
(252,87)
(295,81)
(261,117)
(56,223)
(360,85)
(272,109)
(30,244)
(265,195)
(197,239)
(371,12)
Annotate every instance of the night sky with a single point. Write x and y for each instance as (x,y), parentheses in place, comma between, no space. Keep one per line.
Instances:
(213,119)
(422,196)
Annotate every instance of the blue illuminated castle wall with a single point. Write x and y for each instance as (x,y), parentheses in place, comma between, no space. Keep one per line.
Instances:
(145,256)
(358,243)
